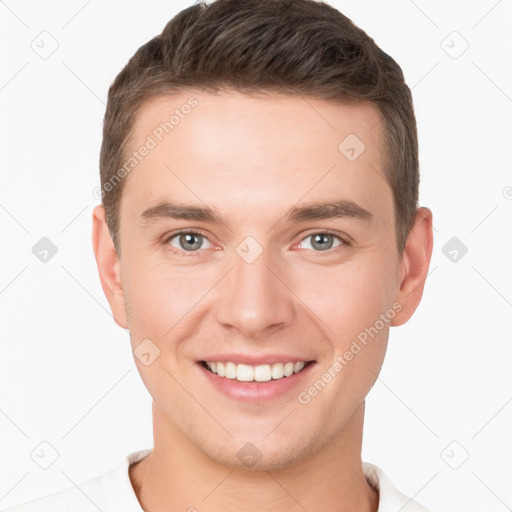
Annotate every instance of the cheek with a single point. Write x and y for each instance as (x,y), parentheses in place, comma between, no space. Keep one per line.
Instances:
(160,297)
(358,311)
(348,298)
(343,299)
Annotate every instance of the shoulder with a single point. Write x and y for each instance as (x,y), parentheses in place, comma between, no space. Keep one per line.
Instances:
(390,498)
(110,491)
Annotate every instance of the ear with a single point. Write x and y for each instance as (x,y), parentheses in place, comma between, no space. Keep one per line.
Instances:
(414,266)
(109,266)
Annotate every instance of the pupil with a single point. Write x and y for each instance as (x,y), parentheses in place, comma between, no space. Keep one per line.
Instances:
(323,239)
(190,238)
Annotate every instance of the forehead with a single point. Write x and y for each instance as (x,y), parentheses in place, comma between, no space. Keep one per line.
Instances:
(260,115)
(231,149)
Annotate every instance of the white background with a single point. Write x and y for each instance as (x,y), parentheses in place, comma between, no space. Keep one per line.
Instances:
(67,372)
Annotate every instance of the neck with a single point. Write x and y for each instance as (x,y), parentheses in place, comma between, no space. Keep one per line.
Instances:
(177,475)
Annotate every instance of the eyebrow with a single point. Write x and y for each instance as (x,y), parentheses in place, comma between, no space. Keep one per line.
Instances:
(314,211)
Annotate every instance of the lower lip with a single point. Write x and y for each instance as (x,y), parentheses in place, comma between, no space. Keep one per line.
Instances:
(256,391)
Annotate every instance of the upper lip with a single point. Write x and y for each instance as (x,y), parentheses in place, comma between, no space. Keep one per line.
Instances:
(254,360)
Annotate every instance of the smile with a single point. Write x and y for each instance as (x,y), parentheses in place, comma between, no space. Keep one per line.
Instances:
(258,373)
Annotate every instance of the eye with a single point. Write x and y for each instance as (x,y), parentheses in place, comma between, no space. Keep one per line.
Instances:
(187,241)
(323,240)
(191,242)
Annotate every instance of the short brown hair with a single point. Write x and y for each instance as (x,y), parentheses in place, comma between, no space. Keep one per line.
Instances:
(301,47)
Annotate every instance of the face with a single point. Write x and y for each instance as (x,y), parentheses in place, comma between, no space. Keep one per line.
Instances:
(255,233)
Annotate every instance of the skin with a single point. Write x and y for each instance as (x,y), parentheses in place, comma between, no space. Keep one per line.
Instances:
(253,158)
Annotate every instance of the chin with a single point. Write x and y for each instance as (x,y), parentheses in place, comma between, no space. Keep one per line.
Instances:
(259,454)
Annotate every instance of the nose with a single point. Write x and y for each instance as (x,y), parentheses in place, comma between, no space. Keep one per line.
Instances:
(254,298)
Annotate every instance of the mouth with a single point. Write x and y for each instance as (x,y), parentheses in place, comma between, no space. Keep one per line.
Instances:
(255,373)
(255,378)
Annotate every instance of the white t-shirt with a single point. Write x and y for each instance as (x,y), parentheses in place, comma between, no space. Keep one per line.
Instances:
(113,492)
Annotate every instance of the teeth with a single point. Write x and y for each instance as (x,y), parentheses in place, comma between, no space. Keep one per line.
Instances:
(230,370)
(221,371)
(262,373)
(244,373)
(259,373)
(298,367)
(288,369)
(277,371)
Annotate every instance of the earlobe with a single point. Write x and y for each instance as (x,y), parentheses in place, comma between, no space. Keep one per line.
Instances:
(109,266)
(415,265)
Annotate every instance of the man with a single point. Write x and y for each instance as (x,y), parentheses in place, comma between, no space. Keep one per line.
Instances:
(259,234)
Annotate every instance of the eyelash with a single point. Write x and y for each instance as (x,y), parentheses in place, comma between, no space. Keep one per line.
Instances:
(186,254)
